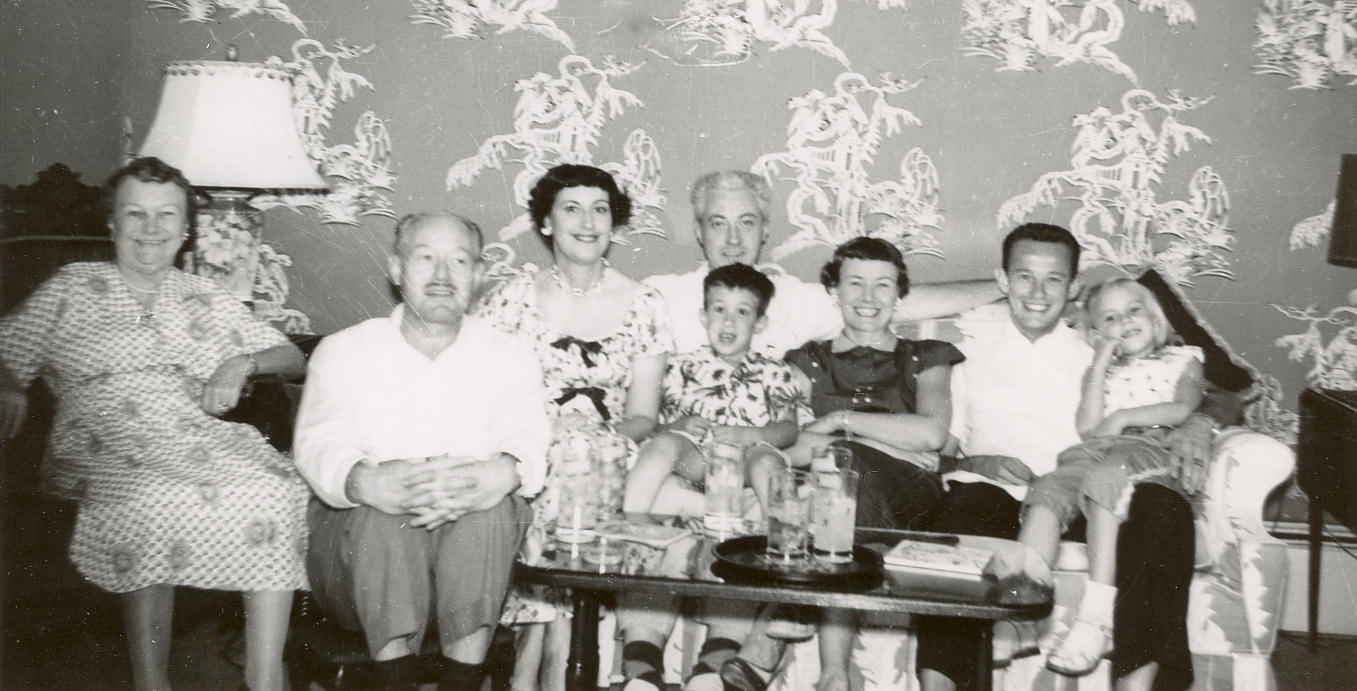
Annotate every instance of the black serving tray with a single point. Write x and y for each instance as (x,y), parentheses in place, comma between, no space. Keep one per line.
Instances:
(742,559)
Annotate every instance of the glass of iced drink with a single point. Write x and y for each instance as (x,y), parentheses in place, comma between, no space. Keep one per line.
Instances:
(577,498)
(723,483)
(833,511)
(788,515)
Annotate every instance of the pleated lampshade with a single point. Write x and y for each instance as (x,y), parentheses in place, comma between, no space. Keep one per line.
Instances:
(231,125)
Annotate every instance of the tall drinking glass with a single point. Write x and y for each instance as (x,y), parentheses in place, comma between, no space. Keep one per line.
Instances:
(611,473)
(578,495)
(723,487)
(834,510)
(788,514)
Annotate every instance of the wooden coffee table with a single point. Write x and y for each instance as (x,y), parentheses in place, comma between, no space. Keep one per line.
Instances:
(685,569)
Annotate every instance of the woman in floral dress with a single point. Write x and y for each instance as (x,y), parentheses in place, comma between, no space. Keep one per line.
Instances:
(143,359)
(602,339)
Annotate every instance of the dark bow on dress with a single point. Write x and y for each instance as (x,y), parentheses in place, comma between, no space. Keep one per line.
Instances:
(592,393)
(586,348)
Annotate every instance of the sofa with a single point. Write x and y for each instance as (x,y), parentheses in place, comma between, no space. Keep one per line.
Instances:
(1236,594)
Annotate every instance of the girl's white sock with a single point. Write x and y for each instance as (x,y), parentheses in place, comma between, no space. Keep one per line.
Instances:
(1096,607)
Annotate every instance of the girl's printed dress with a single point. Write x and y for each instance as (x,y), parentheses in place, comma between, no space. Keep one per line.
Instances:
(587,383)
(1105,471)
(167,493)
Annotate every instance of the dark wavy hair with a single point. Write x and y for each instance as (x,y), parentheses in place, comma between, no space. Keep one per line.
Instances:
(741,277)
(1043,232)
(149,169)
(868,249)
(543,195)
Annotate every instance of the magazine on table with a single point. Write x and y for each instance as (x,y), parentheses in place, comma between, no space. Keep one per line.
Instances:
(938,556)
(651,534)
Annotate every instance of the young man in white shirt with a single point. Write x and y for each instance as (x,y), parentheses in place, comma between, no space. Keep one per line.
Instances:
(421,433)
(1014,401)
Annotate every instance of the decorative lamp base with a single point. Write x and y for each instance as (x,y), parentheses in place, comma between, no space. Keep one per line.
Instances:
(227,246)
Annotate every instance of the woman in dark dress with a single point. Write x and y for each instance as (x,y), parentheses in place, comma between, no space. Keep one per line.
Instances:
(886,399)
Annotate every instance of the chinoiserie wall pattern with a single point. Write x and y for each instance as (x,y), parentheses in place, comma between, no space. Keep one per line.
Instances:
(1187,135)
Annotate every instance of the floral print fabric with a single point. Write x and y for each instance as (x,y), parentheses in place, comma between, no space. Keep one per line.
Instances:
(756,392)
(587,383)
(589,377)
(168,494)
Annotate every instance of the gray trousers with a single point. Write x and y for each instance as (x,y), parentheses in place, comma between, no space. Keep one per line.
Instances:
(373,572)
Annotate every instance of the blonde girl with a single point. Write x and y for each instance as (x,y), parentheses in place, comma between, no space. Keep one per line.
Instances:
(1136,390)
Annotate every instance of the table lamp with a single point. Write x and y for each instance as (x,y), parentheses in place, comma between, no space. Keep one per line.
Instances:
(229,127)
(1343,234)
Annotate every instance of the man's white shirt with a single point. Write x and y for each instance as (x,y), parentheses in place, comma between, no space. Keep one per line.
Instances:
(1016,397)
(371,397)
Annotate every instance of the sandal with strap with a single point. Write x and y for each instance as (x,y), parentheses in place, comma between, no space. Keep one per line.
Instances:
(739,675)
(1084,646)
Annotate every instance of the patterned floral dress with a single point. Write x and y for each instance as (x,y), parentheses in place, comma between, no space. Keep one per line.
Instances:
(167,493)
(586,384)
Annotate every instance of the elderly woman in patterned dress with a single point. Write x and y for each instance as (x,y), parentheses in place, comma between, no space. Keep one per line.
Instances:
(143,359)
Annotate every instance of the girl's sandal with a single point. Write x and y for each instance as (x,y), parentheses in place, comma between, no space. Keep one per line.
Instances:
(1082,649)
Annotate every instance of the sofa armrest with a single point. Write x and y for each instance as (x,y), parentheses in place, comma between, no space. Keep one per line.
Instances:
(1247,467)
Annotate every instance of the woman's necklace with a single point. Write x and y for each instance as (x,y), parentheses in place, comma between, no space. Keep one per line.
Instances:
(559,280)
(144,298)
(876,343)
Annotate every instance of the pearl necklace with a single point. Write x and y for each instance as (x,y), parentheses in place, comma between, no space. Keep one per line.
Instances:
(559,280)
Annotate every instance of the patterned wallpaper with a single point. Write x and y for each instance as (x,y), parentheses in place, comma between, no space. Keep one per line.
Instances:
(1184,135)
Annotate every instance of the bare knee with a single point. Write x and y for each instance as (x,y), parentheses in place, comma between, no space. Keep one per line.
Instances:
(762,460)
(660,452)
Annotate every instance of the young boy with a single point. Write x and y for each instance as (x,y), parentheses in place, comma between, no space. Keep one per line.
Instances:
(723,392)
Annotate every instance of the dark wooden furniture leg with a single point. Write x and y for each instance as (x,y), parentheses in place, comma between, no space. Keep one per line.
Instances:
(581,672)
(1326,469)
(984,663)
(1316,552)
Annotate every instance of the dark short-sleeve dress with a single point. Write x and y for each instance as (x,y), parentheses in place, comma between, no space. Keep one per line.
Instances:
(867,379)
(893,493)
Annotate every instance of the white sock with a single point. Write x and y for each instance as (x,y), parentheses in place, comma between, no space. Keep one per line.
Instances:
(1098,602)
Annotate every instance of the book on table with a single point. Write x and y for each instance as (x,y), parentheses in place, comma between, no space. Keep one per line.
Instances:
(937,556)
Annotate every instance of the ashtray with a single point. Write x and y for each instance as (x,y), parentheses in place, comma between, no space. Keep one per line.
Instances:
(575,536)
